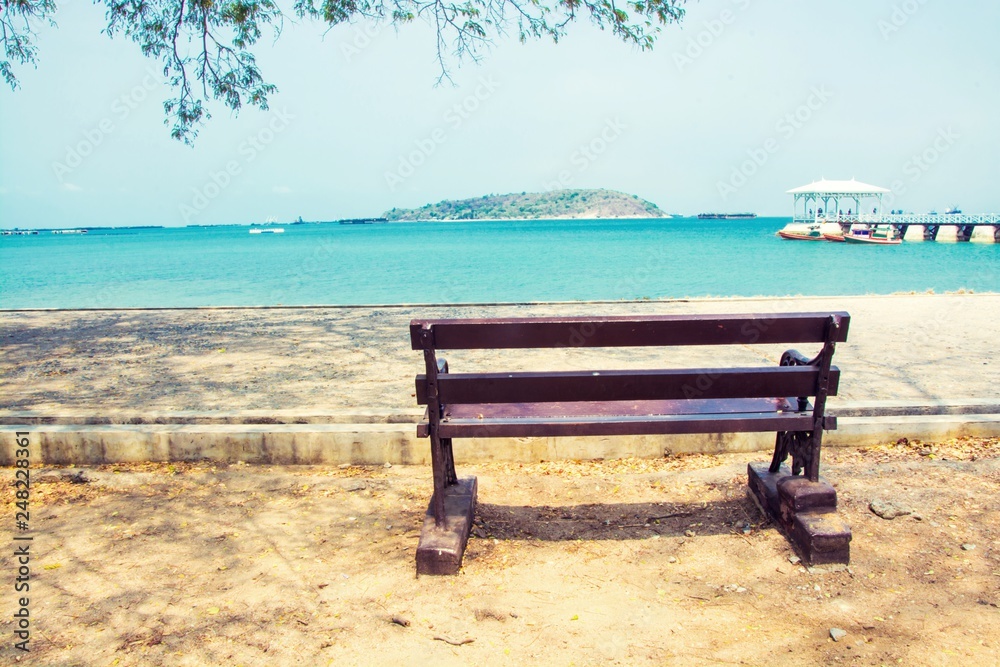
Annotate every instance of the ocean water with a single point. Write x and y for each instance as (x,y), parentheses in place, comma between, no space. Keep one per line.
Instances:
(467,262)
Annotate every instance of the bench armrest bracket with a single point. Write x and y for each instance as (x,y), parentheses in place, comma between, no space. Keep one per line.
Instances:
(804,446)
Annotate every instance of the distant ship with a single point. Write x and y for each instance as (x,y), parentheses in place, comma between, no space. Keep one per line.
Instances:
(362,221)
(727,216)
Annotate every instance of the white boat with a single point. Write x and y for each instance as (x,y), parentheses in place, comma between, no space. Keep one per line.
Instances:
(276,230)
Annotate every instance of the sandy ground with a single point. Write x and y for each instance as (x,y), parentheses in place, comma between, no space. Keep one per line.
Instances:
(630,562)
(626,562)
(911,347)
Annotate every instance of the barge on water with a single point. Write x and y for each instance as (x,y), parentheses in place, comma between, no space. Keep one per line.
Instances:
(727,216)
(362,221)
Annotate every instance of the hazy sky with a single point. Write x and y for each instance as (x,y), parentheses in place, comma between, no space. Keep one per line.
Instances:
(745,100)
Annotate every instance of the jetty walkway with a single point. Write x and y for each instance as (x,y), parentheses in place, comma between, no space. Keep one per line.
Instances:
(928,224)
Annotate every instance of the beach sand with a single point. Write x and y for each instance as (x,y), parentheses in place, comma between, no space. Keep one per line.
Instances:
(630,562)
(215,564)
(901,347)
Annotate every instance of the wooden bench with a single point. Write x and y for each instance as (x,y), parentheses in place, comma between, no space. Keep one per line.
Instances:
(636,402)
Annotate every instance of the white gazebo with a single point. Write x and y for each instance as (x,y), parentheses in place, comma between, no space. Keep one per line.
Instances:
(836,201)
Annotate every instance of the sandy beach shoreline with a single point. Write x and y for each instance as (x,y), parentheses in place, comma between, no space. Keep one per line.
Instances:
(900,347)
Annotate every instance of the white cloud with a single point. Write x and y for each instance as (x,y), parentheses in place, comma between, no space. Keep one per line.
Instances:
(71,187)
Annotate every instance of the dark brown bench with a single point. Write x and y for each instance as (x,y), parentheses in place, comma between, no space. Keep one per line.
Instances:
(636,402)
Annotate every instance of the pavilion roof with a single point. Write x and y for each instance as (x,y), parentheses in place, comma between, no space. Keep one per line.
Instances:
(851,187)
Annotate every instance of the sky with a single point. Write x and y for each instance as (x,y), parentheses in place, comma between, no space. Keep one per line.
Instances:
(743,101)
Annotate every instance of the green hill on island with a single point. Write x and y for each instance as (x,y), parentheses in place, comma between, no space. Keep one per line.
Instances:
(533,205)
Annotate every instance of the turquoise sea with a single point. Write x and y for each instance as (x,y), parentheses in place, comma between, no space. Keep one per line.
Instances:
(467,262)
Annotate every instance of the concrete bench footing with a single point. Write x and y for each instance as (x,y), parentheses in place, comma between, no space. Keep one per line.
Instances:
(441,548)
(804,511)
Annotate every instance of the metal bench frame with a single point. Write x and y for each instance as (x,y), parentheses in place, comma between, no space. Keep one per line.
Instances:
(636,402)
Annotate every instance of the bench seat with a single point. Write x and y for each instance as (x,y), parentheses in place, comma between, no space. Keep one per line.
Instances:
(525,420)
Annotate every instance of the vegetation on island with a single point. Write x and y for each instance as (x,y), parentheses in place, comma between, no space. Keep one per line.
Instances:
(534,205)
(206,48)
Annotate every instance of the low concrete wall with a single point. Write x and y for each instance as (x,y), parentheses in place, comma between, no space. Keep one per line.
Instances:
(378,443)
(281,444)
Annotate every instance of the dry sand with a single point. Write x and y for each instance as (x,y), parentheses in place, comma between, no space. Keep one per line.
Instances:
(200,563)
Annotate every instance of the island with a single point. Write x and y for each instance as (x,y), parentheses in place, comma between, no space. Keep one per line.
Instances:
(557,204)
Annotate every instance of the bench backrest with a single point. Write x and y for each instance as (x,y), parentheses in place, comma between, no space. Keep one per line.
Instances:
(627,331)
(795,380)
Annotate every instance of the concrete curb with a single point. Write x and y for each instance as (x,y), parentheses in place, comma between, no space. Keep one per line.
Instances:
(183,417)
(76,416)
(343,438)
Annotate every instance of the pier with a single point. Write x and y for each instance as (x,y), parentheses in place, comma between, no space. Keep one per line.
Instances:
(842,202)
(931,223)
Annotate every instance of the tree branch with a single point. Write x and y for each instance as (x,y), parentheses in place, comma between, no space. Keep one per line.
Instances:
(211,41)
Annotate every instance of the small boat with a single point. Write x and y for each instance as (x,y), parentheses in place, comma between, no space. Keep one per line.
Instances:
(277,230)
(877,236)
(837,238)
(794,232)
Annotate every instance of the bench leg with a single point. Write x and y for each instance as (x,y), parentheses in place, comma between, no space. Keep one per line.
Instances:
(440,479)
(443,465)
(782,446)
(804,510)
(814,445)
(448,459)
(803,447)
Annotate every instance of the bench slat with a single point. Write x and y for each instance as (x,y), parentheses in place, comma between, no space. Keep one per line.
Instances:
(626,331)
(478,412)
(619,425)
(626,385)
(616,408)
